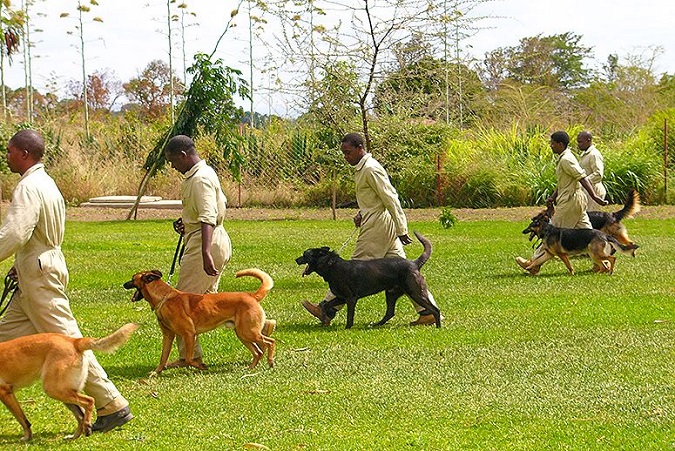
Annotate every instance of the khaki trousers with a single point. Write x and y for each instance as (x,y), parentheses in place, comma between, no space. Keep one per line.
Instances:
(193,279)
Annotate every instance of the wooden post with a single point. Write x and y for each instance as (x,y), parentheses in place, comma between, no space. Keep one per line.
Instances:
(439,181)
(333,202)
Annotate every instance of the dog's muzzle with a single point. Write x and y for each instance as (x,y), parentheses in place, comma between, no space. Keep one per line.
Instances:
(301,261)
(137,295)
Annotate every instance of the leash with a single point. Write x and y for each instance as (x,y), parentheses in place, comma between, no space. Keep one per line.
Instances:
(10,287)
(347,240)
(177,255)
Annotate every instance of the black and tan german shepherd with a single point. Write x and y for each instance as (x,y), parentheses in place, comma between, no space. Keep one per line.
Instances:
(562,243)
(606,222)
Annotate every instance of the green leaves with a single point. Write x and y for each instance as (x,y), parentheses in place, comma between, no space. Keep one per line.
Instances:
(209,108)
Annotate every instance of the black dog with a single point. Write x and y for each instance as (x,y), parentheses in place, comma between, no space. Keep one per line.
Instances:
(351,280)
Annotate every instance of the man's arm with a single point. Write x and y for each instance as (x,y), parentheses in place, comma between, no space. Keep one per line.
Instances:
(207,238)
(591,192)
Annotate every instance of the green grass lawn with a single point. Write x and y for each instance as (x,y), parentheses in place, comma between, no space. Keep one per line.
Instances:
(548,362)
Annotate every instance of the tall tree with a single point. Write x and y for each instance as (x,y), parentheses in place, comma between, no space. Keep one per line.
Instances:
(82,11)
(153,89)
(555,61)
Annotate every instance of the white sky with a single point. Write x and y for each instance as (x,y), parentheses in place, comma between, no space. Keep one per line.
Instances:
(133,33)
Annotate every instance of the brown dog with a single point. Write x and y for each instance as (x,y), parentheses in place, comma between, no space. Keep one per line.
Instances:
(58,361)
(188,314)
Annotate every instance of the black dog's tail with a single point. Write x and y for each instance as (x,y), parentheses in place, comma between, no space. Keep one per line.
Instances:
(422,259)
(626,249)
(631,206)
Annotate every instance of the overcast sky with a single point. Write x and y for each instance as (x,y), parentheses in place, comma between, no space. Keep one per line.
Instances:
(133,33)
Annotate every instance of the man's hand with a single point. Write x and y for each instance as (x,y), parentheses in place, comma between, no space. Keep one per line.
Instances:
(209,267)
(405,239)
(179,227)
(12,274)
(357,219)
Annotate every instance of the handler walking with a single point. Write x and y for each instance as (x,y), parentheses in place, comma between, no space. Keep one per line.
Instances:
(569,197)
(207,244)
(33,231)
(592,163)
(383,228)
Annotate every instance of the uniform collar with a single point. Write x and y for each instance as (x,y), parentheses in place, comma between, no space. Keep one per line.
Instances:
(362,162)
(34,168)
(194,169)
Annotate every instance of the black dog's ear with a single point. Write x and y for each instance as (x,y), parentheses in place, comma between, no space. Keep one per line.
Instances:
(152,276)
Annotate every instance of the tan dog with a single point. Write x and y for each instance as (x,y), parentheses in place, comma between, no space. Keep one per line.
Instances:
(58,360)
(188,314)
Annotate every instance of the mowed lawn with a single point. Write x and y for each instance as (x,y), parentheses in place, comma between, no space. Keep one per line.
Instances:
(527,363)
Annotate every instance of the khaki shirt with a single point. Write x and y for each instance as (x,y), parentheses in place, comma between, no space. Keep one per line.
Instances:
(35,220)
(592,163)
(568,173)
(570,210)
(203,198)
(383,219)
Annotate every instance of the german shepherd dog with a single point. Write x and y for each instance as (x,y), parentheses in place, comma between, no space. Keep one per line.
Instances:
(562,243)
(609,223)
(351,280)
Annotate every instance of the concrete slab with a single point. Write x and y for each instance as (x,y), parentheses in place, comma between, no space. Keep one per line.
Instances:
(149,202)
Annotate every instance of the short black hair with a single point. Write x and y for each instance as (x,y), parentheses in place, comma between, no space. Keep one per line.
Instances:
(29,140)
(353,139)
(561,137)
(180,143)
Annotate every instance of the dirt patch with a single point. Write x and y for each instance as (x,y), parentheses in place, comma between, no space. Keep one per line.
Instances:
(424,214)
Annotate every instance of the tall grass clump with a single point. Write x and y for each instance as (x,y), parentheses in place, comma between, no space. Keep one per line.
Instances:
(492,168)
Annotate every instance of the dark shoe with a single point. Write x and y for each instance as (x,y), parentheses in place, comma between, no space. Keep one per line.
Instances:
(317,311)
(107,423)
(424,320)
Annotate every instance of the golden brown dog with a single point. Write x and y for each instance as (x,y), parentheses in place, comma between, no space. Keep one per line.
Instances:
(58,360)
(188,314)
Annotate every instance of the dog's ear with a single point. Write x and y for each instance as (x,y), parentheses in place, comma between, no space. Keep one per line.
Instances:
(151,276)
(325,249)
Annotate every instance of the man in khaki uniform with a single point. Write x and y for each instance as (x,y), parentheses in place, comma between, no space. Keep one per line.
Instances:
(383,228)
(33,232)
(207,244)
(592,163)
(569,197)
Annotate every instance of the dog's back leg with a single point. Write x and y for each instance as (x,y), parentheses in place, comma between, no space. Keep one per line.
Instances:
(392,296)
(82,426)
(8,399)
(416,288)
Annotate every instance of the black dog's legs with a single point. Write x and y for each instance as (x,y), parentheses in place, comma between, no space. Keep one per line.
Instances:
(420,294)
(351,307)
(392,297)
